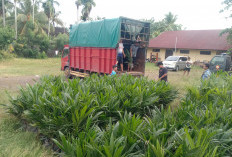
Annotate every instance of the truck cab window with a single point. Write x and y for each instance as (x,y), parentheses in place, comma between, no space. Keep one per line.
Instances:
(65,53)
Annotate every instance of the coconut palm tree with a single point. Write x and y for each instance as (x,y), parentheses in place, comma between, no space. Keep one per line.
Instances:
(87,7)
(16,25)
(25,15)
(170,22)
(49,10)
(78,4)
(3,13)
(56,20)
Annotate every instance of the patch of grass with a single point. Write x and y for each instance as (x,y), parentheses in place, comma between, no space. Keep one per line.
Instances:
(14,142)
(4,99)
(176,79)
(28,67)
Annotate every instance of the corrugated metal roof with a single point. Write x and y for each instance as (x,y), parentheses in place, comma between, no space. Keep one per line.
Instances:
(191,39)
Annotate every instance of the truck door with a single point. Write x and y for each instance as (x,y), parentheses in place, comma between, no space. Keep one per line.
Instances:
(65,58)
(228,63)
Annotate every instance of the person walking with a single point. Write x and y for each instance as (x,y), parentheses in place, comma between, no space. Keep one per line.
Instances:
(188,66)
(206,74)
(163,72)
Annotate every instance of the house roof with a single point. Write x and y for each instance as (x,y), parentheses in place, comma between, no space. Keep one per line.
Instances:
(191,39)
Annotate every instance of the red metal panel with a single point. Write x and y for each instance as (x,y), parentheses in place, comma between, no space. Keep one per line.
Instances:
(102,60)
(71,57)
(98,60)
(87,59)
(95,60)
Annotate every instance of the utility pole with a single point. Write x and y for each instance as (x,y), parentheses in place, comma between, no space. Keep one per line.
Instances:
(3,13)
(175,44)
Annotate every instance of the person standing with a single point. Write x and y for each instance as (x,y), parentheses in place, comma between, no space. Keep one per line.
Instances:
(133,51)
(188,66)
(163,72)
(121,54)
(206,74)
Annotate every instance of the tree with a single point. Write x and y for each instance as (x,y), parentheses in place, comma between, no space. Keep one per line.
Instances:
(78,4)
(3,13)
(16,22)
(49,10)
(227,5)
(6,37)
(87,7)
(170,22)
(167,24)
(24,16)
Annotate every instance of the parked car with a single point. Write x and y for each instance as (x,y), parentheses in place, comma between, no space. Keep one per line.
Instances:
(221,62)
(175,62)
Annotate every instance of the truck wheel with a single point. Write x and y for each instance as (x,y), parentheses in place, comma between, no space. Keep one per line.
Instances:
(177,68)
(67,72)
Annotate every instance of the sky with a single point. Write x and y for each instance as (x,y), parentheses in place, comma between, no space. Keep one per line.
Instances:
(192,14)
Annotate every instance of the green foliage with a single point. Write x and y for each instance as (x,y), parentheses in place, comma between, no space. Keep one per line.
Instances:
(87,7)
(167,24)
(123,116)
(31,43)
(60,41)
(5,55)
(228,31)
(6,37)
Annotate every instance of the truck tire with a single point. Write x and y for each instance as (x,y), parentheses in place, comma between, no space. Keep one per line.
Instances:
(67,72)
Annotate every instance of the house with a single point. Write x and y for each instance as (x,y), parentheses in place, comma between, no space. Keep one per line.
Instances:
(199,45)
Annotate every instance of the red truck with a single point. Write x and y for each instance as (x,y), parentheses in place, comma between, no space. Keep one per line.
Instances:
(93,46)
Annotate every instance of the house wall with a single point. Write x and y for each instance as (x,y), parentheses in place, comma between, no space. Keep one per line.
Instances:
(193,54)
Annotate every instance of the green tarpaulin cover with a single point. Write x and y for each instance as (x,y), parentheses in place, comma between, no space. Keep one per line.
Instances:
(104,33)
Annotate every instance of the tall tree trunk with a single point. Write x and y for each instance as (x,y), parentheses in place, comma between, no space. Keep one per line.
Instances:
(49,25)
(78,6)
(3,13)
(33,11)
(16,25)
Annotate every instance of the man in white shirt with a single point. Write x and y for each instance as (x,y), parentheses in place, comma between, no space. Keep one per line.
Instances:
(121,54)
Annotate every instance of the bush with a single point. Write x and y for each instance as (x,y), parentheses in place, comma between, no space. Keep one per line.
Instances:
(5,55)
(60,41)
(124,116)
(31,44)
(42,55)
(6,37)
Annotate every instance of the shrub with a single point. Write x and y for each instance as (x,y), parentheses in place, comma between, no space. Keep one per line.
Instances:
(5,55)
(42,55)
(124,116)
(6,37)
(60,41)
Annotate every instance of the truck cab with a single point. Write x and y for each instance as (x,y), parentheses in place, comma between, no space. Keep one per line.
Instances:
(221,62)
(65,58)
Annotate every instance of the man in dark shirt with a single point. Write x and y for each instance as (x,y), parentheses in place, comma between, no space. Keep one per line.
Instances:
(163,72)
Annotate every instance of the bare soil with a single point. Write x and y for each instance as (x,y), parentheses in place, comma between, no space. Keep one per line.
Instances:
(13,83)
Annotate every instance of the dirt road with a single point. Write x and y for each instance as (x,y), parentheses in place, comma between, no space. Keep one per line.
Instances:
(12,83)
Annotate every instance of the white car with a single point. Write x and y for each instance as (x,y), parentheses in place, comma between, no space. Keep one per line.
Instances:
(175,62)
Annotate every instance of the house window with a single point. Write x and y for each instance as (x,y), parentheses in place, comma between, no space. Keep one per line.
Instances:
(156,50)
(205,52)
(184,51)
